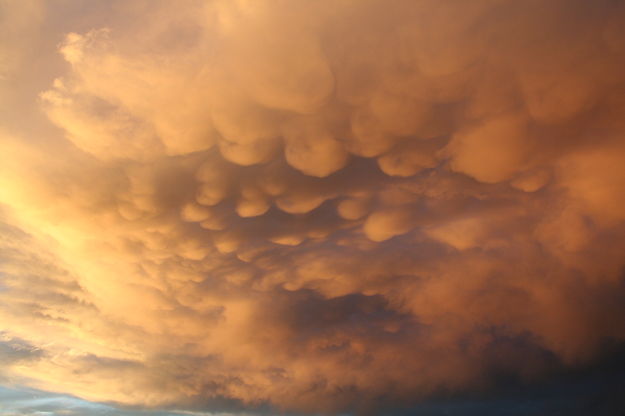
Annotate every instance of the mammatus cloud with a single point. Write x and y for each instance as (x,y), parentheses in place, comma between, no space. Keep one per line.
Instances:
(315,206)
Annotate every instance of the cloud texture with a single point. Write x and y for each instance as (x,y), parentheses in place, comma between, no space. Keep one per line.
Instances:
(314,205)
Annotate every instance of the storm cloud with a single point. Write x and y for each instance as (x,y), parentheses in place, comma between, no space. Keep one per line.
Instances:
(316,206)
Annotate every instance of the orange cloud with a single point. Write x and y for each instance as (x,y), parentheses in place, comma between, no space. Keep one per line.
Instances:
(309,205)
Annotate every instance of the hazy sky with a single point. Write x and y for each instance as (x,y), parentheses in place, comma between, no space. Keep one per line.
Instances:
(362,207)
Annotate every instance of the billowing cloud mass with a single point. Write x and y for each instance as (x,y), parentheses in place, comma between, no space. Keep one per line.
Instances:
(316,206)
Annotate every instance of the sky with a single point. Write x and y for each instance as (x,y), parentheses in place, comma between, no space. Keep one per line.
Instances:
(312,207)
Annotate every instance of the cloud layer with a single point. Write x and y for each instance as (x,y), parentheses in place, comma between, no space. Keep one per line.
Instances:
(316,206)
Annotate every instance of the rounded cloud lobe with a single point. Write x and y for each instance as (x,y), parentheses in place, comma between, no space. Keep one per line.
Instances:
(318,206)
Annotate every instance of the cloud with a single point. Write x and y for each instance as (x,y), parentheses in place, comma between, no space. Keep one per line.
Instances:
(311,206)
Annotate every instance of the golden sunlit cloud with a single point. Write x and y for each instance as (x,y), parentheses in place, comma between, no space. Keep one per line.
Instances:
(314,205)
